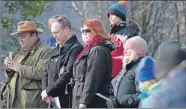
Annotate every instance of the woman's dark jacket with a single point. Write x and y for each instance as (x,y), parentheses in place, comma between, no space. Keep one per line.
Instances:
(92,74)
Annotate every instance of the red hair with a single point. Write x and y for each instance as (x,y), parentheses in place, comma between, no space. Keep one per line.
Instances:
(97,28)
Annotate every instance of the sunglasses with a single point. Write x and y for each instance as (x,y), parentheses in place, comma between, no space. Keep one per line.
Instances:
(84,31)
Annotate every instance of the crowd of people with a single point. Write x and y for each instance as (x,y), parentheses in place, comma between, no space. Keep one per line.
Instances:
(111,70)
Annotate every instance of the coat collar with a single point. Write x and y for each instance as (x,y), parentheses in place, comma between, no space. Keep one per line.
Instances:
(62,50)
(132,63)
(32,49)
(85,54)
(117,28)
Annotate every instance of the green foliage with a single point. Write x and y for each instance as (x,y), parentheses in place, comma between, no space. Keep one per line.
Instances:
(8,24)
(27,10)
(10,44)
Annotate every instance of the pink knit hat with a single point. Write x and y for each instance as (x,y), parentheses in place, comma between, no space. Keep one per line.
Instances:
(138,44)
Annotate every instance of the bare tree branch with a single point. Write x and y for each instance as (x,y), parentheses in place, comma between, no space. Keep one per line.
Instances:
(143,19)
(150,13)
(145,7)
(164,8)
(154,31)
(132,9)
(0,30)
(184,13)
(177,24)
(99,4)
(85,12)
(158,16)
(77,9)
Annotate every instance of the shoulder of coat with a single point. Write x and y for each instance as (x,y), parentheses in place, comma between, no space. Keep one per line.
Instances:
(98,48)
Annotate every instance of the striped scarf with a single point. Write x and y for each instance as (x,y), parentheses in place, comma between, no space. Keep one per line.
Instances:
(118,80)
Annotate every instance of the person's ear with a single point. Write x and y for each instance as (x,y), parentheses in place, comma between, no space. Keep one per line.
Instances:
(35,34)
(66,30)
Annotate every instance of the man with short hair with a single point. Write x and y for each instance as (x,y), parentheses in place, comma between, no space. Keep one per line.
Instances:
(25,70)
(60,66)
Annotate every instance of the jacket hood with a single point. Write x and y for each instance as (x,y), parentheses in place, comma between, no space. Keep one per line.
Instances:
(110,45)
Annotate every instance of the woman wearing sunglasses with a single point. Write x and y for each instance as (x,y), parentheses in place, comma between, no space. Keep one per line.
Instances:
(93,67)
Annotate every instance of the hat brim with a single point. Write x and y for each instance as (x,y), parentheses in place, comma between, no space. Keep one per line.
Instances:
(38,30)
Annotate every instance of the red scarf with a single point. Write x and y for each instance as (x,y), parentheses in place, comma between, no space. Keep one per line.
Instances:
(92,42)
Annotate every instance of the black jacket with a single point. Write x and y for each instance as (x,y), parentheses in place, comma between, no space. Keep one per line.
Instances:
(92,74)
(123,29)
(127,93)
(55,83)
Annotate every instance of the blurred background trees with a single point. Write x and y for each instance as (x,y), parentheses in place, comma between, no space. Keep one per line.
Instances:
(159,20)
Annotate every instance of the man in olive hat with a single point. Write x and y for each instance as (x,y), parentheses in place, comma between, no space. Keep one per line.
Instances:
(25,70)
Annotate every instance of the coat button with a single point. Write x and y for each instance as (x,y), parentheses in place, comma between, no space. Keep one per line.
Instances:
(54,75)
(56,60)
(77,97)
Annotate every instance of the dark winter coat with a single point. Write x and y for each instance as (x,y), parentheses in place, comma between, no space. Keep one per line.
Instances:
(61,57)
(124,30)
(92,74)
(127,92)
(172,93)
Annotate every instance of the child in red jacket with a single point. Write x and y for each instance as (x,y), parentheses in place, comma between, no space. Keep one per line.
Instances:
(120,31)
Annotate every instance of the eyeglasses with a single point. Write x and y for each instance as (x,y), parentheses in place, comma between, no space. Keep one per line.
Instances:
(56,33)
(59,18)
(84,31)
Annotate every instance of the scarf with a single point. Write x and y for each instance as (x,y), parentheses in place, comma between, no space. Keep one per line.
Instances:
(89,44)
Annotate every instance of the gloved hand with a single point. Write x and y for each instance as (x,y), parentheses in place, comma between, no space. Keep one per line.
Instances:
(113,103)
(82,106)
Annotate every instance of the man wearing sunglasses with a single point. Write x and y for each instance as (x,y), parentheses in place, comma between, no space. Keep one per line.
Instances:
(59,68)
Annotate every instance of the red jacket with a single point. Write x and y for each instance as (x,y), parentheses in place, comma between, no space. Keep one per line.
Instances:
(116,62)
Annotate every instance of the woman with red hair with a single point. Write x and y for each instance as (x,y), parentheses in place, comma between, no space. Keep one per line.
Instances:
(93,67)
